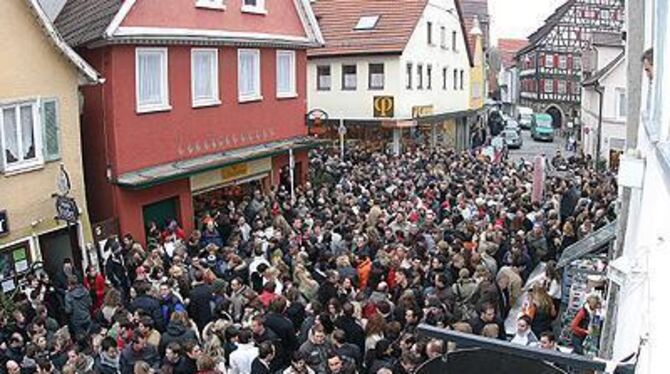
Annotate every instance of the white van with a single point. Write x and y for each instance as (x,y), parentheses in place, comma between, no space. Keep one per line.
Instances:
(525,117)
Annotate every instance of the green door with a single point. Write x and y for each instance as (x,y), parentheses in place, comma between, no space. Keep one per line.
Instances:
(161,212)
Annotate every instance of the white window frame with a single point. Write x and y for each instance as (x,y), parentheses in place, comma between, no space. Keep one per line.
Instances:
(548,83)
(215,98)
(443,37)
(38,160)
(319,87)
(256,96)
(210,4)
(292,92)
(562,87)
(371,87)
(165,104)
(259,8)
(549,61)
(562,62)
(620,102)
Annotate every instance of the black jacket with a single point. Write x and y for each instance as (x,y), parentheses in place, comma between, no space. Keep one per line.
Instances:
(152,307)
(258,367)
(129,357)
(353,332)
(199,307)
(285,330)
(175,332)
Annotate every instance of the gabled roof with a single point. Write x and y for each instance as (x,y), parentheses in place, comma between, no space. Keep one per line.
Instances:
(397,21)
(508,49)
(337,18)
(596,77)
(85,70)
(546,28)
(86,21)
(472,9)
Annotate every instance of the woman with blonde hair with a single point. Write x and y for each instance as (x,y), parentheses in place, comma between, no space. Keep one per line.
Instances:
(308,287)
(110,304)
(540,309)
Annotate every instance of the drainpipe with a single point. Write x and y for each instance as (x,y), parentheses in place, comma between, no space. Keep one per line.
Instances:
(600,90)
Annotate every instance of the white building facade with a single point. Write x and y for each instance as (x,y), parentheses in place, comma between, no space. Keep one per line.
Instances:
(608,79)
(641,324)
(420,91)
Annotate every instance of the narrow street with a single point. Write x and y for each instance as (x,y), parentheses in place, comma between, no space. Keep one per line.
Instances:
(531,148)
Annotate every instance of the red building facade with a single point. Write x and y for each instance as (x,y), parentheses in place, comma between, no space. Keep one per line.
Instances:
(203,102)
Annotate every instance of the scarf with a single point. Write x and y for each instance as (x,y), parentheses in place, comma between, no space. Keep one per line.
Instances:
(109,362)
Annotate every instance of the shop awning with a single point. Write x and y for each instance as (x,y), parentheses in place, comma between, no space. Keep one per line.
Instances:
(155,175)
(589,244)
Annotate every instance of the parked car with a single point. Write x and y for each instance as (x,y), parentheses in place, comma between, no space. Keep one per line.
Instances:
(513,125)
(512,138)
(542,128)
(525,117)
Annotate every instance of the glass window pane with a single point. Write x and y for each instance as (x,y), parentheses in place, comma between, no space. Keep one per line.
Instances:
(204,75)
(10,133)
(150,74)
(27,132)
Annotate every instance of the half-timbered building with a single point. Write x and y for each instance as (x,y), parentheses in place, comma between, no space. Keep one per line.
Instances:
(551,65)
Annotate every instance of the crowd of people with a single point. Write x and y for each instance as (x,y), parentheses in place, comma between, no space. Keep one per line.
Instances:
(333,281)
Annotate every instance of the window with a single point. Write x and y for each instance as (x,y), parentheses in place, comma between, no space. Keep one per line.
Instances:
(561,87)
(249,74)
(205,77)
(349,77)
(151,79)
(562,62)
(548,86)
(429,76)
(576,89)
(210,4)
(462,79)
(254,6)
(323,80)
(455,79)
(549,61)
(21,136)
(376,76)
(366,23)
(429,30)
(419,77)
(443,37)
(577,62)
(621,102)
(286,74)
(453,40)
(409,76)
(444,78)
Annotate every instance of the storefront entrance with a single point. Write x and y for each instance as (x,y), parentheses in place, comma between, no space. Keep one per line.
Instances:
(160,213)
(57,246)
(212,201)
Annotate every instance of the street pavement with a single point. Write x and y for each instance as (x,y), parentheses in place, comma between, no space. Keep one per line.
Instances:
(532,148)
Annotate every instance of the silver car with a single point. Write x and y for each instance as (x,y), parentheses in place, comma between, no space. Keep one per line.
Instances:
(512,138)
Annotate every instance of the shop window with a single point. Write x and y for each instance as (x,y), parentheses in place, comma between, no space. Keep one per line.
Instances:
(14,263)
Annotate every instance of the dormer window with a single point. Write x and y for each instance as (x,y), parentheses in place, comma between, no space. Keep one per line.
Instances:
(210,4)
(366,23)
(254,6)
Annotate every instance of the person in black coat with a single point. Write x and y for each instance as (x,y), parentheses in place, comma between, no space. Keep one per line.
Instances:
(328,289)
(177,331)
(147,303)
(283,327)
(261,364)
(199,308)
(354,333)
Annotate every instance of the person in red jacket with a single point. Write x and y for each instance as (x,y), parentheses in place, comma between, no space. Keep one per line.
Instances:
(94,282)
(580,324)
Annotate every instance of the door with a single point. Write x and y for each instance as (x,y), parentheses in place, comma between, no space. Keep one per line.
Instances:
(161,212)
(57,246)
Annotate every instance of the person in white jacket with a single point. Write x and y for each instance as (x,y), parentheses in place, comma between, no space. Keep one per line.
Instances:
(244,355)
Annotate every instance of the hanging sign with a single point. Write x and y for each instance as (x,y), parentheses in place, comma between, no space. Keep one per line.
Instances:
(4,223)
(66,209)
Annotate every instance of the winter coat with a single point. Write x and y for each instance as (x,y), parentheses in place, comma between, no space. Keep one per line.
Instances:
(129,357)
(78,306)
(152,307)
(175,332)
(316,356)
(170,305)
(106,365)
(353,332)
(97,290)
(364,270)
(199,308)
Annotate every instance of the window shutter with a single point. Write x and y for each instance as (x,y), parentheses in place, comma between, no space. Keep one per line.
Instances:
(50,129)
(570,62)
